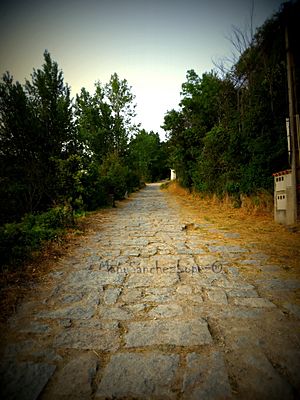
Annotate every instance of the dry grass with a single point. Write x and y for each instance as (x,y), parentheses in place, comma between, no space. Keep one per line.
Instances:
(253,221)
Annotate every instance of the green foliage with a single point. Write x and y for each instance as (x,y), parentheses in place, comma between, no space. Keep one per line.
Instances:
(228,135)
(36,126)
(114,176)
(54,153)
(19,240)
(147,156)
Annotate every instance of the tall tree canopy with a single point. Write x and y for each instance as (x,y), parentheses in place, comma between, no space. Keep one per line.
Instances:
(228,135)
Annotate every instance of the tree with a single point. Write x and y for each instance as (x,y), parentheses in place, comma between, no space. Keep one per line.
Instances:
(94,122)
(36,129)
(121,101)
(147,156)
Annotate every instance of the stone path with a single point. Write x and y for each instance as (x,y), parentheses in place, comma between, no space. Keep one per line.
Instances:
(150,306)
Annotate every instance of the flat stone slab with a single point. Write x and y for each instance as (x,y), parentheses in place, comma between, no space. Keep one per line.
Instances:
(88,339)
(116,313)
(74,381)
(36,327)
(250,262)
(166,311)
(131,295)
(152,280)
(253,302)
(25,380)
(242,293)
(227,249)
(111,295)
(159,298)
(252,313)
(183,290)
(293,309)
(205,377)
(258,379)
(78,312)
(179,333)
(279,284)
(234,284)
(142,376)
(217,296)
(90,279)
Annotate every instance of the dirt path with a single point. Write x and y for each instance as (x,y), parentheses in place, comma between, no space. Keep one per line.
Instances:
(153,306)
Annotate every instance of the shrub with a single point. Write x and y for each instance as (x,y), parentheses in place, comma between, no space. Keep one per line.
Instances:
(19,240)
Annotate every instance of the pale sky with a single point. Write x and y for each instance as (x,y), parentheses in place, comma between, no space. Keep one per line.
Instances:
(151,43)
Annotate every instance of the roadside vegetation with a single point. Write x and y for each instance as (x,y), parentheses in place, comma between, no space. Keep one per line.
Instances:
(60,157)
(228,135)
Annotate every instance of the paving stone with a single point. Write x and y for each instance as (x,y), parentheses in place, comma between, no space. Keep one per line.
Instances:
(97,324)
(242,293)
(241,313)
(159,295)
(132,253)
(279,284)
(166,311)
(88,339)
(260,256)
(111,295)
(47,355)
(196,299)
(184,290)
(79,312)
(72,298)
(293,309)
(253,302)
(258,379)
(74,381)
(36,327)
(231,235)
(143,376)
(179,333)
(205,260)
(227,249)
(114,313)
(24,380)
(131,295)
(233,271)
(149,251)
(65,323)
(13,350)
(136,308)
(217,296)
(143,280)
(187,251)
(250,262)
(234,284)
(91,279)
(140,242)
(271,268)
(205,377)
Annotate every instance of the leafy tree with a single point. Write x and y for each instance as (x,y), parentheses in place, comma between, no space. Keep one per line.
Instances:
(94,123)
(121,101)
(50,97)
(146,157)
(36,128)
(229,133)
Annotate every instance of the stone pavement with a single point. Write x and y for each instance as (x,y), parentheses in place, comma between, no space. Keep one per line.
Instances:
(151,306)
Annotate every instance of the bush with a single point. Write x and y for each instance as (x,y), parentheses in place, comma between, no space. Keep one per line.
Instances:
(19,240)
(114,176)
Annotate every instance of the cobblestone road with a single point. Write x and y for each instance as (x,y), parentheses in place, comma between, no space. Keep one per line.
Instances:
(150,306)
